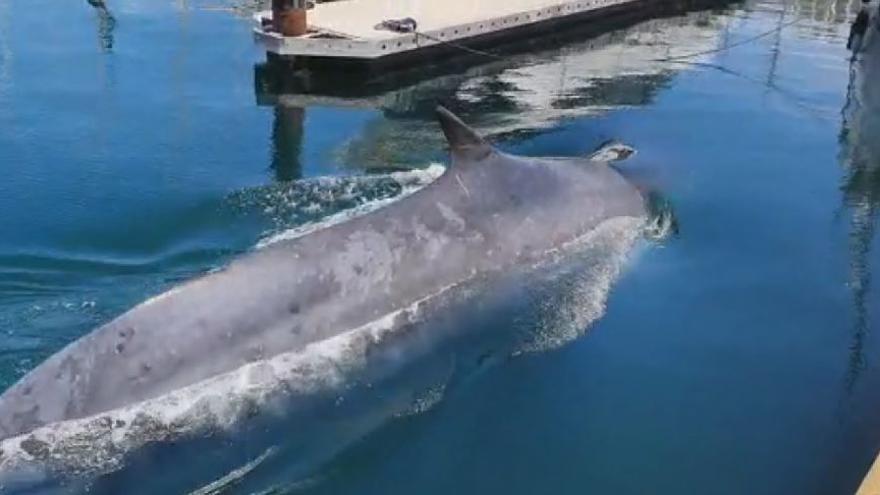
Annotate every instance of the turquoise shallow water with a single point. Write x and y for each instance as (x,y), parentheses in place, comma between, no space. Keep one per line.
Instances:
(140,146)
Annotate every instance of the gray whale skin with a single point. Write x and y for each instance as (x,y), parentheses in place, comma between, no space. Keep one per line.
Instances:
(489,213)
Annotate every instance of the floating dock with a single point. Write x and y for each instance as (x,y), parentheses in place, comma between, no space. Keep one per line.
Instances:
(586,76)
(349,30)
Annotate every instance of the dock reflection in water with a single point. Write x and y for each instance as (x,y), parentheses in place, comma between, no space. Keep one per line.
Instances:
(576,74)
(287,141)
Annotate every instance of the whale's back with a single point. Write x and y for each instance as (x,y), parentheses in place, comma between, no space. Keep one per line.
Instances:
(488,212)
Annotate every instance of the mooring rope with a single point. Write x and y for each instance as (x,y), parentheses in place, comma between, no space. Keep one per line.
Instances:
(459,46)
(409,25)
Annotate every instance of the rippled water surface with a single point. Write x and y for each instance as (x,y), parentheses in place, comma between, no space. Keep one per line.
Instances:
(143,143)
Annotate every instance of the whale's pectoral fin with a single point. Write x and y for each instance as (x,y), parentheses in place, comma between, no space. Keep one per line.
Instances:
(465,144)
(612,151)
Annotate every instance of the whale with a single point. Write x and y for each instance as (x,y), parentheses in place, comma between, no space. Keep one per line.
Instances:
(243,349)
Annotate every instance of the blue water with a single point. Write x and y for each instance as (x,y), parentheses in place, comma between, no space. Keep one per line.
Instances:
(739,355)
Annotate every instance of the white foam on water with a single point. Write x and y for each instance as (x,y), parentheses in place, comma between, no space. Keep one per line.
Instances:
(425,401)
(410,181)
(580,297)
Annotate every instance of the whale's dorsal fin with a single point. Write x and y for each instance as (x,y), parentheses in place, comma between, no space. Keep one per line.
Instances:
(464,143)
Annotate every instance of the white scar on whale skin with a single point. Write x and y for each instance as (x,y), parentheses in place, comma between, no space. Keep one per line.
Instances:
(463,187)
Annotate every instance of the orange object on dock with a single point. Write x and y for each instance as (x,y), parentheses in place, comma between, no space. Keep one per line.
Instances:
(289,17)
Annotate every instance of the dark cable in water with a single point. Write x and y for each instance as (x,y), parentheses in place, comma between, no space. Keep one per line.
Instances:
(732,45)
(682,59)
(780,91)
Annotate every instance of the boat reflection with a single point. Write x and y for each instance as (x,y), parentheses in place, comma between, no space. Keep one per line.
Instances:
(860,157)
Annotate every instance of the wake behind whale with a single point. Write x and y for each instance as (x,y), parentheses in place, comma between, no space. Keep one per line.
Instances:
(336,327)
